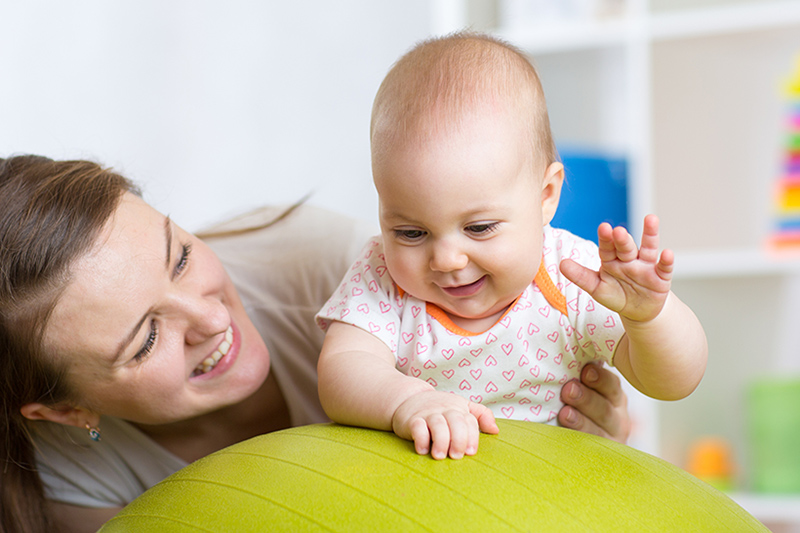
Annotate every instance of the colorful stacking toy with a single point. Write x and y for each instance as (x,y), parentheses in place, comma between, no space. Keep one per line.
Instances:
(787,232)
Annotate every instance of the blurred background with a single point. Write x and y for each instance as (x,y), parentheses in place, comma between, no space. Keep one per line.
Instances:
(213,107)
(686,108)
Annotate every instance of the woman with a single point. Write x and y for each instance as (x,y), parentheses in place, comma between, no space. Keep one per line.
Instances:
(129,347)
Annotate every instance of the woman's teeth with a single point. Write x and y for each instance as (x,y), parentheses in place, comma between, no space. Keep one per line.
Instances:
(211,361)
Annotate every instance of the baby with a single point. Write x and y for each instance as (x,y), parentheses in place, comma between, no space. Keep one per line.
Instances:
(469,306)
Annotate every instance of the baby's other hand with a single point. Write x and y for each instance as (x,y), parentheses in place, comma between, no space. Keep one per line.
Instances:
(443,424)
(633,282)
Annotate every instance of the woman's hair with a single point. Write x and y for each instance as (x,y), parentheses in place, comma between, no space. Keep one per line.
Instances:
(51,213)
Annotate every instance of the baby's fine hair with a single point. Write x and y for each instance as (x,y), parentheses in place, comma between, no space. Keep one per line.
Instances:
(447,77)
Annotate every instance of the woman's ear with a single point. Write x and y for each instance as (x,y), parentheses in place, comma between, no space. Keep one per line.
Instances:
(60,414)
(551,190)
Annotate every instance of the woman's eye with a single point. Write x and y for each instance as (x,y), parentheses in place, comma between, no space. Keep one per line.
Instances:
(409,234)
(184,260)
(482,229)
(149,344)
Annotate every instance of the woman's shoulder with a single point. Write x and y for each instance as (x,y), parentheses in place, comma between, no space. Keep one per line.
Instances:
(297,256)
(78,471)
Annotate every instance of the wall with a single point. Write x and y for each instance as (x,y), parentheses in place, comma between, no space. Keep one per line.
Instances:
(214,107)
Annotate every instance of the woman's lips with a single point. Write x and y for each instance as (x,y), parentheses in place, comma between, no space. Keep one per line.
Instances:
(229,345)
(465,290)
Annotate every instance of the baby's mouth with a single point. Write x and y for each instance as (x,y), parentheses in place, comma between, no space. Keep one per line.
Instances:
(465,290)
(211,361)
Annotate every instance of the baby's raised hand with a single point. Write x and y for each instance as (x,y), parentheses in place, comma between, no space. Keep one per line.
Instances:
(633,282)
(443,423)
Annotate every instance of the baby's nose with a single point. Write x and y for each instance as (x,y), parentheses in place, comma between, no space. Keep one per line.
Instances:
(447,258)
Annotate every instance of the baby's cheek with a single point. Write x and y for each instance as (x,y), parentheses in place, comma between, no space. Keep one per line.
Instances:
(404,270)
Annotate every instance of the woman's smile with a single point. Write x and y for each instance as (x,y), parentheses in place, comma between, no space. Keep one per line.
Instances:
(223,356)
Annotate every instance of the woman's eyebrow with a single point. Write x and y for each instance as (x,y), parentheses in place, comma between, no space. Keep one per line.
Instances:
(132,335)
(129,339)
(168,235)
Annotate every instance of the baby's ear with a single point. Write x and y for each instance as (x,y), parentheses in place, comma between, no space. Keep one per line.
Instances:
(60,414)
(551,190)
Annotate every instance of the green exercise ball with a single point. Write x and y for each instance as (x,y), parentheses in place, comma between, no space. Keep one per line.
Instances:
(530,477)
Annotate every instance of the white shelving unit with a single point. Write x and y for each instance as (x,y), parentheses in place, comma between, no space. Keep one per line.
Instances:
(734,263)
(783,510)
(689,92)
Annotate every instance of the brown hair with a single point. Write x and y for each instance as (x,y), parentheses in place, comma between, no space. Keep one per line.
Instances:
(51,213)
(445,77)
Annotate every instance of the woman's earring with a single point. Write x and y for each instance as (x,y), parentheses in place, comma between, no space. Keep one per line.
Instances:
(94,433)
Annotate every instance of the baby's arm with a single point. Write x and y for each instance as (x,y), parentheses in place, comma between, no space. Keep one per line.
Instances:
(360,386)
(664,350)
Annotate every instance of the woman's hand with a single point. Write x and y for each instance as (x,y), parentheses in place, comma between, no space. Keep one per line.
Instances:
(597,405)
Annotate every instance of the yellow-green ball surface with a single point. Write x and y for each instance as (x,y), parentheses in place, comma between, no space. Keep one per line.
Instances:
(530,477)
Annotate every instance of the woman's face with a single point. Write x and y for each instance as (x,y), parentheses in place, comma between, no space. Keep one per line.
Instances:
(151,325)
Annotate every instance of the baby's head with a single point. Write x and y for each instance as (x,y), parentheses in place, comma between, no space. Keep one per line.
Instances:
(442,82)
(466,172)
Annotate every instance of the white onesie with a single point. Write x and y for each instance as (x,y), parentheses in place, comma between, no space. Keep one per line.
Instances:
(517,366)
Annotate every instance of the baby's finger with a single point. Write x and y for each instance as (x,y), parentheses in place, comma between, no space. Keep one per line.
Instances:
(420,435)
(666,265)
(440,436)
(624,245)
(649,248)
(581,276)
(485,418)
(473,436)
(605,242)
(460,426)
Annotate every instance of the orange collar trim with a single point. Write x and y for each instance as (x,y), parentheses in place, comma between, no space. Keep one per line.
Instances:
(551,293)
(440,316)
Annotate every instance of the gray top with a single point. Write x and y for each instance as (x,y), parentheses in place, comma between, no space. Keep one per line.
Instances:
(284,274)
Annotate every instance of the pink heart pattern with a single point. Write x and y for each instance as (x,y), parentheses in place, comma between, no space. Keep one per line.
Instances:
(518,365)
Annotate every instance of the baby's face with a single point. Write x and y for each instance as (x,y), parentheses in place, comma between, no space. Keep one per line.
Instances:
(461,216)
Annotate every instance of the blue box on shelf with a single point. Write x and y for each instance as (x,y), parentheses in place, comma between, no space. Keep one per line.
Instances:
(595,190)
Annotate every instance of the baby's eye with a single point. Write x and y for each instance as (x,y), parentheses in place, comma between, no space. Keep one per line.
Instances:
(409,234)
(482,229)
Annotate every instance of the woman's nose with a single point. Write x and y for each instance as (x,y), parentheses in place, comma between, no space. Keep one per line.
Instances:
(206,317)
(447,257)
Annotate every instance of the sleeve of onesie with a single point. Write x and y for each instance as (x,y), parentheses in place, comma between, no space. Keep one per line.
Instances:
(367,298)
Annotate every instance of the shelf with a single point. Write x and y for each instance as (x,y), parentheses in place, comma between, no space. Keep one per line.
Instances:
(770,507)
(735,263)
(706,22)
(566,35)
